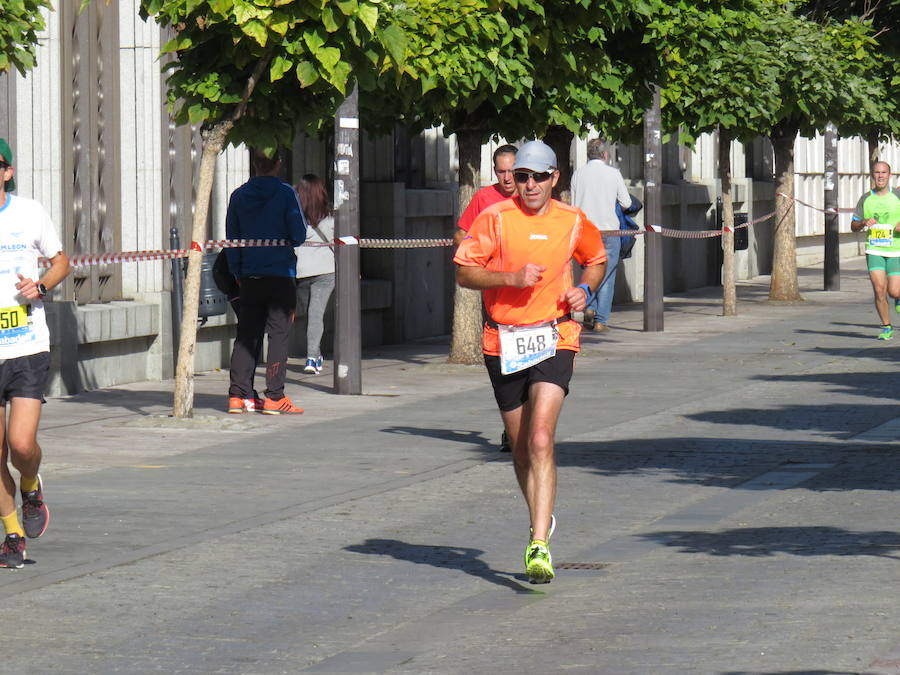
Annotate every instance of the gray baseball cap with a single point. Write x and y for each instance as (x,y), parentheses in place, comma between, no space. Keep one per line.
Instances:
(535,156)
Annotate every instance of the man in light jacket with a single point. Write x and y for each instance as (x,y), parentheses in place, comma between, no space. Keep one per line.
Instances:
(596,188)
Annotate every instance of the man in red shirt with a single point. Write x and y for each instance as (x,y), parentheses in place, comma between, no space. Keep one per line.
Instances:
(504,188)
(518,253)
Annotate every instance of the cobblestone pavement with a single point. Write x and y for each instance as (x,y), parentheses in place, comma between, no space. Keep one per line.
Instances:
(728,501)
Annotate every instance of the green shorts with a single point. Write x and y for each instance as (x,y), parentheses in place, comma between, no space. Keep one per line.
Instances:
(880,263)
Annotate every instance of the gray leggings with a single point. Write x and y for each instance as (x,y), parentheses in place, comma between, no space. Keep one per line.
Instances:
(319,288)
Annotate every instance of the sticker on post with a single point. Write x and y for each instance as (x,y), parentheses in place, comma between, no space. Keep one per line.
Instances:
(881,235)
(524,346)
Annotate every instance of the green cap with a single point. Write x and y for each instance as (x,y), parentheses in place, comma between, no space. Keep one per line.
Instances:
(7,155)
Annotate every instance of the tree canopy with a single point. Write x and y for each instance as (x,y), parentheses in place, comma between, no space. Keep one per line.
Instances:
(19,25)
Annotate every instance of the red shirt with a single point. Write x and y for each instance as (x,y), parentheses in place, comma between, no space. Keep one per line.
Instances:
(484,198)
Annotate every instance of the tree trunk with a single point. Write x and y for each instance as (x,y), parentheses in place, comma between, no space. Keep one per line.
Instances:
(465,343)
(874,147)
(729,292)
(784,284)
(213,143)
(560,139)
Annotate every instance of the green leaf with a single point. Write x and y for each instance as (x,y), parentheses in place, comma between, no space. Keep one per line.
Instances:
(279,67)
(394,41)
(340,76)
(348,7)
(197,113)
(331,19)
(307,73)
(329,57)
(368,14)
(256,30)
(314,39)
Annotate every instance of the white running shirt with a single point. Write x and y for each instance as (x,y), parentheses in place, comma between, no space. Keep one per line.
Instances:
(26,234)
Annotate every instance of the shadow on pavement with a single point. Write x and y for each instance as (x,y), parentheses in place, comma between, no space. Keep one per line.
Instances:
(838,421)
(865,334)
(447,557)
(877,350)
(791,672)
(728,462)
(458,436)
(759,542)
(143,402)
(871,385)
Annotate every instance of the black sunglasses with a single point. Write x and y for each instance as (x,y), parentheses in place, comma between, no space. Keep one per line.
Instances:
(3,165)
(523,176)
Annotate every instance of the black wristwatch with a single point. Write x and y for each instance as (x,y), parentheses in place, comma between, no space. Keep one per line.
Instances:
(42,290)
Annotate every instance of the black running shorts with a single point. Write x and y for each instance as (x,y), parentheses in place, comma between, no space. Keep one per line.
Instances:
(511,391)
(24,377)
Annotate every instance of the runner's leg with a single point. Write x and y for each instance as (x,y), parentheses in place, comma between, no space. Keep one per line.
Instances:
(893,283)
(879,288)
(514,421)
(8,487)
(21,437)
(536,453)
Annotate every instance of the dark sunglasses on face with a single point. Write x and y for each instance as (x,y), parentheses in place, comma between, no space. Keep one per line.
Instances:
(3,166)
(523,176)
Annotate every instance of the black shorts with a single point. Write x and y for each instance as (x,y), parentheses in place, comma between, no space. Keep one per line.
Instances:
(24,377)
(511,391)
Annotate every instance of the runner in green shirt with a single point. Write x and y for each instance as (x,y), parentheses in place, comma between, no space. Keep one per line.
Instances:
(878,211)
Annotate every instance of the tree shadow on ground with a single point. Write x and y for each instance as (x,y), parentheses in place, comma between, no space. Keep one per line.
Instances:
(838,421)
(446,557)
(758,542)
(838,333)
(791,672)
(457,436)
(142,402)
(871,385)
(728,462)
(875,350)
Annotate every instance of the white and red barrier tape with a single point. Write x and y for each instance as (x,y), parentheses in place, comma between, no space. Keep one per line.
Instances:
(814,207)
(82,260)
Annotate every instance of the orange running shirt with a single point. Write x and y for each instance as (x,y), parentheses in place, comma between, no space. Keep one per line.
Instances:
(504,238)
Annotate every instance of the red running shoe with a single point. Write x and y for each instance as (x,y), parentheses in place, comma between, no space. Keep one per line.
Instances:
(282,406)
(35,514)
(12,553)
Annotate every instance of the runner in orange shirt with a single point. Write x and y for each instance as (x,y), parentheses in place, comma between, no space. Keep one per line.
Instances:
(518,253)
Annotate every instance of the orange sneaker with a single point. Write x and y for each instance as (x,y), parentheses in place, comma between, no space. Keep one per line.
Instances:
(280,407)
(235,405)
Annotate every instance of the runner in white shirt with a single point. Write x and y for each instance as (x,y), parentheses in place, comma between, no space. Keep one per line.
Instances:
(26,235)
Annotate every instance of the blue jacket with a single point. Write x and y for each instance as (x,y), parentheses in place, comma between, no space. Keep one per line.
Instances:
(264,207)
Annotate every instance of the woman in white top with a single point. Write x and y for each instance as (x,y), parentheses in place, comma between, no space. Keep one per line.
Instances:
(315,265)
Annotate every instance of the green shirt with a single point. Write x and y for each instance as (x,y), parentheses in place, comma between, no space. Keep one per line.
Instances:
(885,209)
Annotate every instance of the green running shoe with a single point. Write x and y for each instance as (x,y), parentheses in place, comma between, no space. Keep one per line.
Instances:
(887,332)
(538,563)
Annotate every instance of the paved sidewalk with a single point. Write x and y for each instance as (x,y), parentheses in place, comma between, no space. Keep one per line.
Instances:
(728,504)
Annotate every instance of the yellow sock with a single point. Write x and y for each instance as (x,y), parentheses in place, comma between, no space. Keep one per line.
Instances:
(28,484)
(11,524)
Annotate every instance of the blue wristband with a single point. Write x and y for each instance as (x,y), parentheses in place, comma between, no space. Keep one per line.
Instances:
(587,289)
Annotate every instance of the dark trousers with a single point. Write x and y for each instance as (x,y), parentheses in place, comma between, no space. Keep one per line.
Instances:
(267,308)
